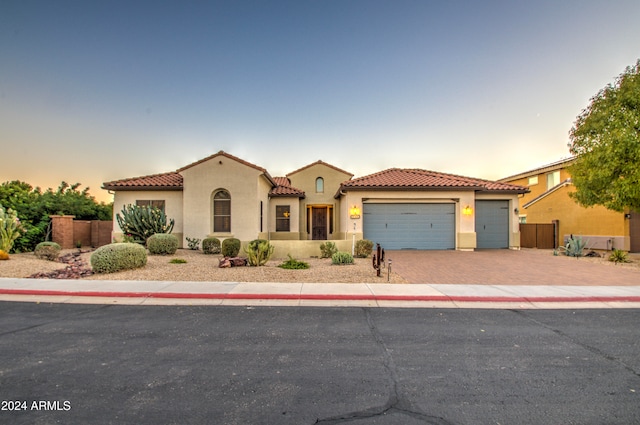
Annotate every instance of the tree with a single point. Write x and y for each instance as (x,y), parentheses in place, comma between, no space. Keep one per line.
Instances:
(605,140)
(34,208)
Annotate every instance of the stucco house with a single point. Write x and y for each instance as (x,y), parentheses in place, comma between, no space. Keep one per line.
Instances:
(224,196)
(548,201)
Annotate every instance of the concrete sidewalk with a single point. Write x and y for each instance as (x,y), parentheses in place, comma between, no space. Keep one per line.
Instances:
(319,294)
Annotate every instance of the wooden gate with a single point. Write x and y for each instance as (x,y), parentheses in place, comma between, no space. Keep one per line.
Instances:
(541,236)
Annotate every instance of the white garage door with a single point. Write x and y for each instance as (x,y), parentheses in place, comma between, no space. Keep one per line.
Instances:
(410,226)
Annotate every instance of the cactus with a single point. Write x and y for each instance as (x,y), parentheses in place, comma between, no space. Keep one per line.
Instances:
(10,228)
(259,252)
(143,221)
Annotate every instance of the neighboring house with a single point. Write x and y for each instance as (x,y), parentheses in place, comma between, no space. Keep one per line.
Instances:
(548,201)
(224,196)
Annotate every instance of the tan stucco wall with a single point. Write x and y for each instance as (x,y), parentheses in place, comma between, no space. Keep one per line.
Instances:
(465,224)
(305,180)
(172,207)
(539,188)
(294,222)
(247,187)
(574,219)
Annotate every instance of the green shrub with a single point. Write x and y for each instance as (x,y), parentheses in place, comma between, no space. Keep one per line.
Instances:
(118,256)
(47,251)
(293,264)
(327,249)
(230,247)
(341,258)
(162,244)
(193,243)
(618,256)
(211,246)
(363,248)
(178,261)
(258,252)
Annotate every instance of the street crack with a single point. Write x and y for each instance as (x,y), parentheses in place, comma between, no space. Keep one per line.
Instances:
(573,340)
(396,403)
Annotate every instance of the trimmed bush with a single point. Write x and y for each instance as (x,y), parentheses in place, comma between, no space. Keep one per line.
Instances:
(341,258)
(230,247)
(363,248)
(211,246)
(162,244)
(327,249)
(259,251)
(3,255)
(118,256)
(47,251)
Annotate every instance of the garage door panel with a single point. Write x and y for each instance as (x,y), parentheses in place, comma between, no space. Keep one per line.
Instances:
(410,226)
(492,224)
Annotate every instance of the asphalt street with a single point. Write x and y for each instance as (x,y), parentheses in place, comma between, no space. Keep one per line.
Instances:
(73,364)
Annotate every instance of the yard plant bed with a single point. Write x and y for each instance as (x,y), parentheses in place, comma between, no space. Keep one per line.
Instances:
(204,268)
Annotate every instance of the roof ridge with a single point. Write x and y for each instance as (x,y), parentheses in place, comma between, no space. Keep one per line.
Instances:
(225,154)
(319,162)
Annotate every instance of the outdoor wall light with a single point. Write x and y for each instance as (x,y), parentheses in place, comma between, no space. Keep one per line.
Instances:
(467,210)
(354,212)
(516,210)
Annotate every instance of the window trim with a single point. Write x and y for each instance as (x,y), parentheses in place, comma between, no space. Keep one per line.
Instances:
(319,185)
(226,224)
(285,220)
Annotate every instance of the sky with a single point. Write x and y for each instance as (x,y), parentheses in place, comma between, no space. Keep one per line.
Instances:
(94,91)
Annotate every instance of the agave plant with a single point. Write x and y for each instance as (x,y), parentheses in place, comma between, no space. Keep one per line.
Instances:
(575,247)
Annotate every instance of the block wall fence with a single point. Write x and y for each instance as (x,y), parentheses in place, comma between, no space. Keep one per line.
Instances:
(68,233)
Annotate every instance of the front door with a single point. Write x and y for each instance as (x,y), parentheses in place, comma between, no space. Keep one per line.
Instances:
(319,223)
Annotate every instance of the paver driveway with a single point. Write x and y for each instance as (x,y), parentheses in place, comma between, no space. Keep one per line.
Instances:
(509,267)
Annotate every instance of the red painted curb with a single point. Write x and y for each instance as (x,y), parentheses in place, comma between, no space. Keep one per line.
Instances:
(336,297)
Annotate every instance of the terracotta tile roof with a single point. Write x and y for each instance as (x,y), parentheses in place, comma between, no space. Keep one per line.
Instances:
(284,188)
(320,162)
(417,179)
(164,181)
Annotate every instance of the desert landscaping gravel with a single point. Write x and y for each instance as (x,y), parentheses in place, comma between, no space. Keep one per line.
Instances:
(201,267)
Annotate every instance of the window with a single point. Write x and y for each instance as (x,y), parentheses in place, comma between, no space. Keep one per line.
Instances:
(146,203)
(283,215)
(222,211)
(319,185)
(533,180)
(553,179)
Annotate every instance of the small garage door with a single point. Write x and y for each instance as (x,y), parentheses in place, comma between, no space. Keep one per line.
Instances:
(492,224)
(410,226)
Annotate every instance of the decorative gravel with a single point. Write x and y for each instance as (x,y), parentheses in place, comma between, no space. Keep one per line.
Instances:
(201,267)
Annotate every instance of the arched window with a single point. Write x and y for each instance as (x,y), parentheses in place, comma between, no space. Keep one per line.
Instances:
(222,211)
(319,185)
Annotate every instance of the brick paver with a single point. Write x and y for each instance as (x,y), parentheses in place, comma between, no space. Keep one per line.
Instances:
(509,267)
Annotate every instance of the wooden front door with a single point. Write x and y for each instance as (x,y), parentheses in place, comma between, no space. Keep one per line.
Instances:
(319,223)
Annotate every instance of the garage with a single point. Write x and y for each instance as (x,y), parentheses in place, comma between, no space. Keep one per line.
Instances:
(492,224)
(410,225)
